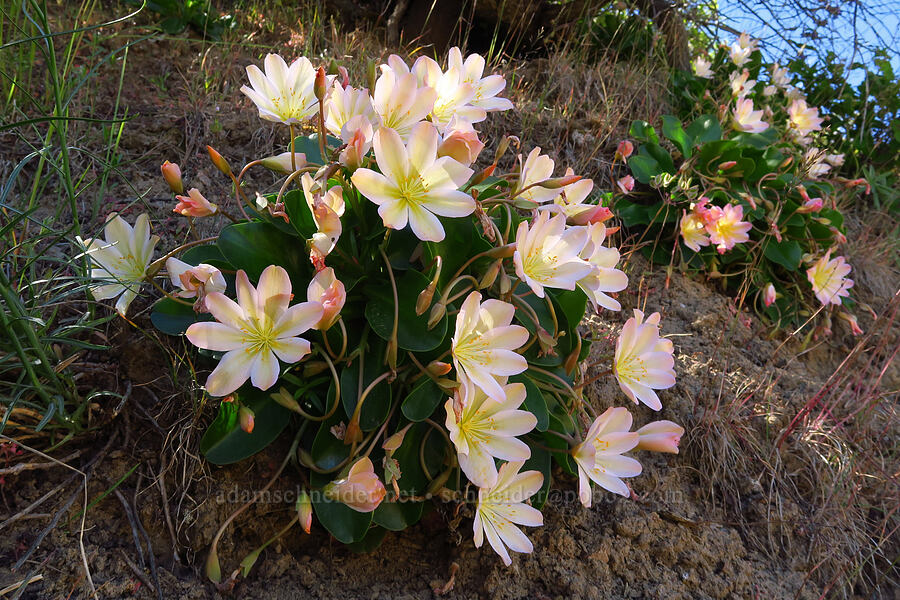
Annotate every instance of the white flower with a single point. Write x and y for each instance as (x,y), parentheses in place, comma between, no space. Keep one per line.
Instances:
(780,76)
(547,254)
(643,360)
(746,119)
(486,88)
(536,168)
(414,184)
(741,84)
(599,457)
(804,119)
(829,279)
(604,277)
(120,261)
(195,282)
(344,104)
(502,507)
(254,331)
(487,430)
(702,68)
(327,210)
(741,50)
(283,94)
(484,345)
(571,202)
(400,103)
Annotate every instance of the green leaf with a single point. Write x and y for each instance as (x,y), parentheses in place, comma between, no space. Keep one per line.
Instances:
(225,442)
(298,212)
(705,128)
(254,246)
(672,129)
(173,318)
(397,516)
(377,404)
(542,462)
(370,542)
(209,254)
(573,304)
(534,401)
(423,400)
(644,168)
(660,155)
(413,479)
(460,234)
(787,253)
(327,451)
(412,329)
(642,131)
(309,145)
(344,523)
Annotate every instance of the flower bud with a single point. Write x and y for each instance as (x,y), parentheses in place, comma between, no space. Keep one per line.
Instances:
(281,163)
(769,295)
(313,368)
(344,76)
(395,441)
(624,150)
(546,341)
(304,511)
(437,483)
(506,251)
(220,163)
(328,291)
(284,398)
(448,385)
(172,174)
(425,298)
(461,142)
(660,436)
(786,163)
(813,205)
(727,165)
(490,276)
(483,174)
(437,313)
(371,73)
(361,490)
(194,205)
(625,184)
(503,147)
(851,319)
(437,368)
(246,419)
(305,458)
(505,282)
(556,183)
(320,86)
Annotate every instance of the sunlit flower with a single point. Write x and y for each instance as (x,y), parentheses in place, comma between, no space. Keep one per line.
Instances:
(283,163)
(741,50)
(804,119)
(604,277)
(599,457)
(547,254)
(769,295)
(625,184)
(780,76)
(501,507)
(747,119)
(643,360)
(195,282)
(460,142)
(571,202)
(484,345)
(194,205)
(693,231)
(829,279)
(361,490)
(400,102)
(660,436)
(454,97)
(487,430)
(326,289)
(283,94)
(729,230)
(344,104)
(537,167)
(358,135)
(792,93)
(120,261)
(702,68)
(741,84)
(414,184)
(254,332)
(485,88)
(327,210)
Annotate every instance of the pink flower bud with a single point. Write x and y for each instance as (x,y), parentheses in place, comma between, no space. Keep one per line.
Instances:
(624,149)
(851,319)
(194,205)
(395,441)
(812,205)
(328,291)
(361,490)
(556,183)
(220,163)
(626,184)
(320,86)
(769,295)
(839,237)
(660,436)
(344,77)
(172,174)
(727,165)
(246,418)
(438,368)
(304,511)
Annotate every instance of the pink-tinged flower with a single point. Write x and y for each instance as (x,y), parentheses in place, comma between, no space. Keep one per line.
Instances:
(358,135)
(194,205)
(454,98)
(361,490)
(643,360)
(327,209)
(460,142)
(829,279)
(769,295)
(414,185)
(624,150)
(625,184)
(346,104)
(741,84)
(172,174)
(746,119)
(327,290)
(484,346)
(536,168)
(780,76)
(804,119)
(195,282)
(120,261)
(729,230)
(571,202)
(693,231)
(660,436)
(851,320)
(283,94)
(741,50)
(485,88)
(400,103)
(501,507)
(702,68)
(599,457)
(254,332)
(282,163)
(769,90)
(547,254)
(487,430)
(812,205)
(604,277)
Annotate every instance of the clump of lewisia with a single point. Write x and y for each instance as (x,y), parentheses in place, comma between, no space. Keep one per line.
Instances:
(436,349)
